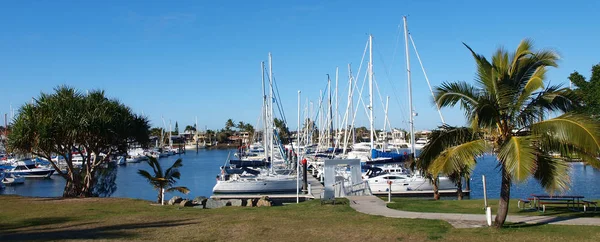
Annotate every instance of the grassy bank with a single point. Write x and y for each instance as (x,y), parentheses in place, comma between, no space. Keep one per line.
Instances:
(56,219)
(476,207)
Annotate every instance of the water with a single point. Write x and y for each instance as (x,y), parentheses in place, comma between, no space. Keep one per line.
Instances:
(200,170)
(198,173)
(583,181)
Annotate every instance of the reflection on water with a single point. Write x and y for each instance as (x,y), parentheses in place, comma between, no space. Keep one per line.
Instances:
(200,170)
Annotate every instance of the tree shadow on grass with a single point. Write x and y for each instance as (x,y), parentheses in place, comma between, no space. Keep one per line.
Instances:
(119,231)
(30,222)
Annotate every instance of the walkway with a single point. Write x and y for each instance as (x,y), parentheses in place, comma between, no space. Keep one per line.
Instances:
(375,206)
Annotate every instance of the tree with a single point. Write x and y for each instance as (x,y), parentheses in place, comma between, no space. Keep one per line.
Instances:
(68,121)
(156,132)
(176,132)
(229,124)
(507,104)
(241,126)
(282,130)
(209,134)
(588,90)
(361,132)
(189,128)
(310,128)
(449,151)
(163,180)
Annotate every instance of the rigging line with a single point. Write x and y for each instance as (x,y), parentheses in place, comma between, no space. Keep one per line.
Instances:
(395,47)
(380,99)
(361,101)
(394,90)
(426,78)
(279,104)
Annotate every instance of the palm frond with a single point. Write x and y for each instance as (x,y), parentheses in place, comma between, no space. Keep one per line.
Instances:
(552,173)
(485,75)
(518,155)
(456,158)
(151,179)
(183,190)
(442,138)
(172,172)
(575,129)
(449,94)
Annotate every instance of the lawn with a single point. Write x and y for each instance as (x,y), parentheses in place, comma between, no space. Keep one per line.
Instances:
(24,218)
(476,207)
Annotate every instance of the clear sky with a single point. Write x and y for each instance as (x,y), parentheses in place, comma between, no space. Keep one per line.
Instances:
(182,59)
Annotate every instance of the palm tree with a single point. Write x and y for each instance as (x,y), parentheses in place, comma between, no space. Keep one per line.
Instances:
(229,124)
(450,152)
(507,104)
(189,128)
(164,180)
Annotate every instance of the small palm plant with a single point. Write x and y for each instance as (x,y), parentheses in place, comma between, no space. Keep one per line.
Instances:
(163,181)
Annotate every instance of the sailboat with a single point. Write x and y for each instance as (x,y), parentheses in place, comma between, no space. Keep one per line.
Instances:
(372,153)
(262,180)
(401,182)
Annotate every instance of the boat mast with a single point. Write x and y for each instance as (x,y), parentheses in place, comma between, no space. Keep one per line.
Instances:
(385,121)
(298,157)
(330,115)
(371,91)
(410,104)
(271,120)
(348,111)
(337,118)
(264,111)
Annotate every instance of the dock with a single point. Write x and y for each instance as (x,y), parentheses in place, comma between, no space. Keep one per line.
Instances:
(443,193)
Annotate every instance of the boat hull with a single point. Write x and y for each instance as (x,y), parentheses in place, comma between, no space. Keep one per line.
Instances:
(13,180)
(34,174)
(411,184)
(256,186)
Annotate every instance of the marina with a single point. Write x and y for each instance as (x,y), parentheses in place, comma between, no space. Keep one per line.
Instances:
(199,169)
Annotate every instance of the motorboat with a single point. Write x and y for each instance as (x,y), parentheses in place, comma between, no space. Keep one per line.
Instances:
(133,159)
(10,179)
(28,168)
(406,182)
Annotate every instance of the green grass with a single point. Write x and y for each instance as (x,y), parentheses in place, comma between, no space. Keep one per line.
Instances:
(127,219)
(476,207)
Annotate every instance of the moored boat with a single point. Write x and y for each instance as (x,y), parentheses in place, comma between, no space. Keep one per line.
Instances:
(29,169)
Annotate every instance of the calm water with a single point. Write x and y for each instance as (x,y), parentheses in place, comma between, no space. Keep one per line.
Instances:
(198,174)
(200,169)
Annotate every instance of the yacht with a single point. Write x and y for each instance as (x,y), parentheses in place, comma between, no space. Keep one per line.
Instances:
(421,142)
(406,182)
(255,183)
(28,168)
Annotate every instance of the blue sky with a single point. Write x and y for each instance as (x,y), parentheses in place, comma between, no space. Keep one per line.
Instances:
(202,58)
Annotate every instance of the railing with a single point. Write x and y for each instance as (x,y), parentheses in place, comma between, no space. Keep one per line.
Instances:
(359,189)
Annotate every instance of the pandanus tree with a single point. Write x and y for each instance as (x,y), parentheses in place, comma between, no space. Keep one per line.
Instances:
(163,180)
(67,122)
(507,105)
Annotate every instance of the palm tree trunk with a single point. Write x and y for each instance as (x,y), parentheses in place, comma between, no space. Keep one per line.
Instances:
(504,199)
(436,191)
(459,191)
(159,201)
(468,183)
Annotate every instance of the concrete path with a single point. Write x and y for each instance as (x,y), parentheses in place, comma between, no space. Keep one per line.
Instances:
(375,206)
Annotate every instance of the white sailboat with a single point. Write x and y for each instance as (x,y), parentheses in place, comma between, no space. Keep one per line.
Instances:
(267,181)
